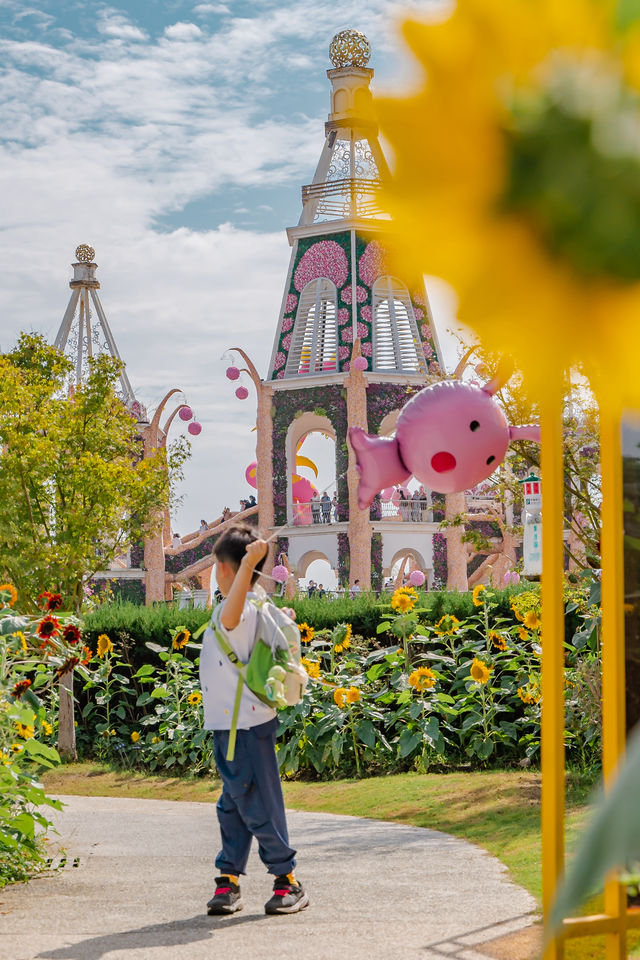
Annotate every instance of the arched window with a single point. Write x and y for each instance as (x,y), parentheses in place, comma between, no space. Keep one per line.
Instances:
(396,344)
(314,345)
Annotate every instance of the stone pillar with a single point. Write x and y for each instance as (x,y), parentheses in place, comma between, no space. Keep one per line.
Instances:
(359,530)
(455,503)
(66,718)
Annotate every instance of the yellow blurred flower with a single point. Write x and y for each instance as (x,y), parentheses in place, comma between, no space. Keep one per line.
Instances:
(422,679)
(16,748)
(24,730)
(523,634)
(312,667)
(532,620)
(404,599)
(135,736)
(104,645)
(156,740)
(23,641)
(517,613)
(447,624)
(8,594)
(353,695)
(339,695)
(48,729)
(476,597)
(479,671)
(487,204)
(194,698)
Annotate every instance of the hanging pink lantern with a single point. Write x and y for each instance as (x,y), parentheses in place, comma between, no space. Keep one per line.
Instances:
(242,393)
(251,474)
(232,373)
(194,428)
(280,573)
(185,413)
(416,578)
(387,493)
(360,363)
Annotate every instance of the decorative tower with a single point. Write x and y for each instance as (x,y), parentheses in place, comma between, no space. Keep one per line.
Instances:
(354,341)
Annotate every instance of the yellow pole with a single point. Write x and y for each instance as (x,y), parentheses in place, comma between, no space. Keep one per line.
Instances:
(552,732)
(613,652)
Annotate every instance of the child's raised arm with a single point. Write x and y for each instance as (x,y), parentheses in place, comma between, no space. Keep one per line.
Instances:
(234,603)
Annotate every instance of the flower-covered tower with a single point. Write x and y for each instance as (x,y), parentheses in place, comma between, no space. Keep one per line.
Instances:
(342,300)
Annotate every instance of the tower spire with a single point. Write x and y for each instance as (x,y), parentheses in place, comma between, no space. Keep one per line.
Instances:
(352,166)
(84,331)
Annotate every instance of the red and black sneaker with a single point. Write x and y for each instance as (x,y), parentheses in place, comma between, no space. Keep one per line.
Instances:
(226,899)
(288,896)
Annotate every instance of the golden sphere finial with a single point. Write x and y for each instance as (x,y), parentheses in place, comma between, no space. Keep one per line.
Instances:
(85,253)
(349,48)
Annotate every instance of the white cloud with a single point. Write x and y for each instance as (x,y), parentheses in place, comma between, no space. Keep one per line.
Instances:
(111,23)
(202,9)
(183,31)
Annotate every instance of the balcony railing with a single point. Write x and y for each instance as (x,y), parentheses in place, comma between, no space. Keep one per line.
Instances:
(352,196)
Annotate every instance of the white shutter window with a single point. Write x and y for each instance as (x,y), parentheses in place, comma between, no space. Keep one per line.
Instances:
(314,344)
(396,342)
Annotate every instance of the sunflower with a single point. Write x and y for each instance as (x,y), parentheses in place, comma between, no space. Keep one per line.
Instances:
(529,694)
(71,633)
(339,695)
(54,601)
(404,599)
(16,748)
(135,736)
(180,638)
(24,730)
(194,698)
(353,695)
(498,642)
(513,89)
(531,620)
(479,671)
(69,664)
(8,594)
(104,645)
(422,679)
(88,655)
(517,613)
(20,687)
(476,597)
(312,667)
(48,729)
(523,634)
(447,624)
(48,627)
(306,632)
(23,641)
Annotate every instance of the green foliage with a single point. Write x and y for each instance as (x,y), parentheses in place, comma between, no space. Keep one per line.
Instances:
(74,486)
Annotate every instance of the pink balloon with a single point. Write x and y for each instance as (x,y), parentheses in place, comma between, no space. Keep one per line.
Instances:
(242,393)
(280,573)
(232,373)
(185,413)
(194,428)
(416,578)
(450,436)
(387,493)
(251,474)
(360,363)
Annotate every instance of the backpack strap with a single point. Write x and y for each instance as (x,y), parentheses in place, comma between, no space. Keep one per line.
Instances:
(241,668)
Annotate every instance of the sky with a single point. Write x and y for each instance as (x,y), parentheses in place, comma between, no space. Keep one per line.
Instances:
(173,136)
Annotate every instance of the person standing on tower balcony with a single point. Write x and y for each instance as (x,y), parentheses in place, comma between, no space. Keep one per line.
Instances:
(335,508)
(315,507)
(325,503)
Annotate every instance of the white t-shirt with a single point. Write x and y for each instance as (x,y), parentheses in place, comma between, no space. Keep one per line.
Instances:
(219,677)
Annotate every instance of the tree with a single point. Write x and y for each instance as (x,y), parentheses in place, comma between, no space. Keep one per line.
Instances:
(74,486)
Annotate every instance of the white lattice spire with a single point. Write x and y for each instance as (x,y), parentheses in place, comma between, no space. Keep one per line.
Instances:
(352,165)
(84,331)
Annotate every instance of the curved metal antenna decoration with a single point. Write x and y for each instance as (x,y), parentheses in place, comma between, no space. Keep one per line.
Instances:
(250,368)
(169,419)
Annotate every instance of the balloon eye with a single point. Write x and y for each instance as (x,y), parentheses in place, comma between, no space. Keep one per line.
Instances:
(474,425)
(490,460)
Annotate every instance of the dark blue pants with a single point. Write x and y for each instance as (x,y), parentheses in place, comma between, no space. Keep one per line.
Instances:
(251,804)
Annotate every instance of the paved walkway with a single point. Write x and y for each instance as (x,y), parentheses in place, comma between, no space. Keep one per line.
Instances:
(378,891)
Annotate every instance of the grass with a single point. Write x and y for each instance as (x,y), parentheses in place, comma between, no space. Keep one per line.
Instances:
(498,810)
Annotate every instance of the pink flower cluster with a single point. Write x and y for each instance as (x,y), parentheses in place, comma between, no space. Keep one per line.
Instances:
(290,302)
(287,324)
(279,360)
(365,313)
(286,341)
(424,330)
(366,349)
(280,375)
(346,334)
(323,259)
(418,314)
(363,330)
(346,366)
(344,316)
(373,263)
(418,297)
(343,352)
(346,294)
(427,349)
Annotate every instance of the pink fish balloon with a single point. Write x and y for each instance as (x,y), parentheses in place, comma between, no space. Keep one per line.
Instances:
(450,436)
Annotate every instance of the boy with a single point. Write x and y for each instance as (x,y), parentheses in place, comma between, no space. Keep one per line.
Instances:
(251,804)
